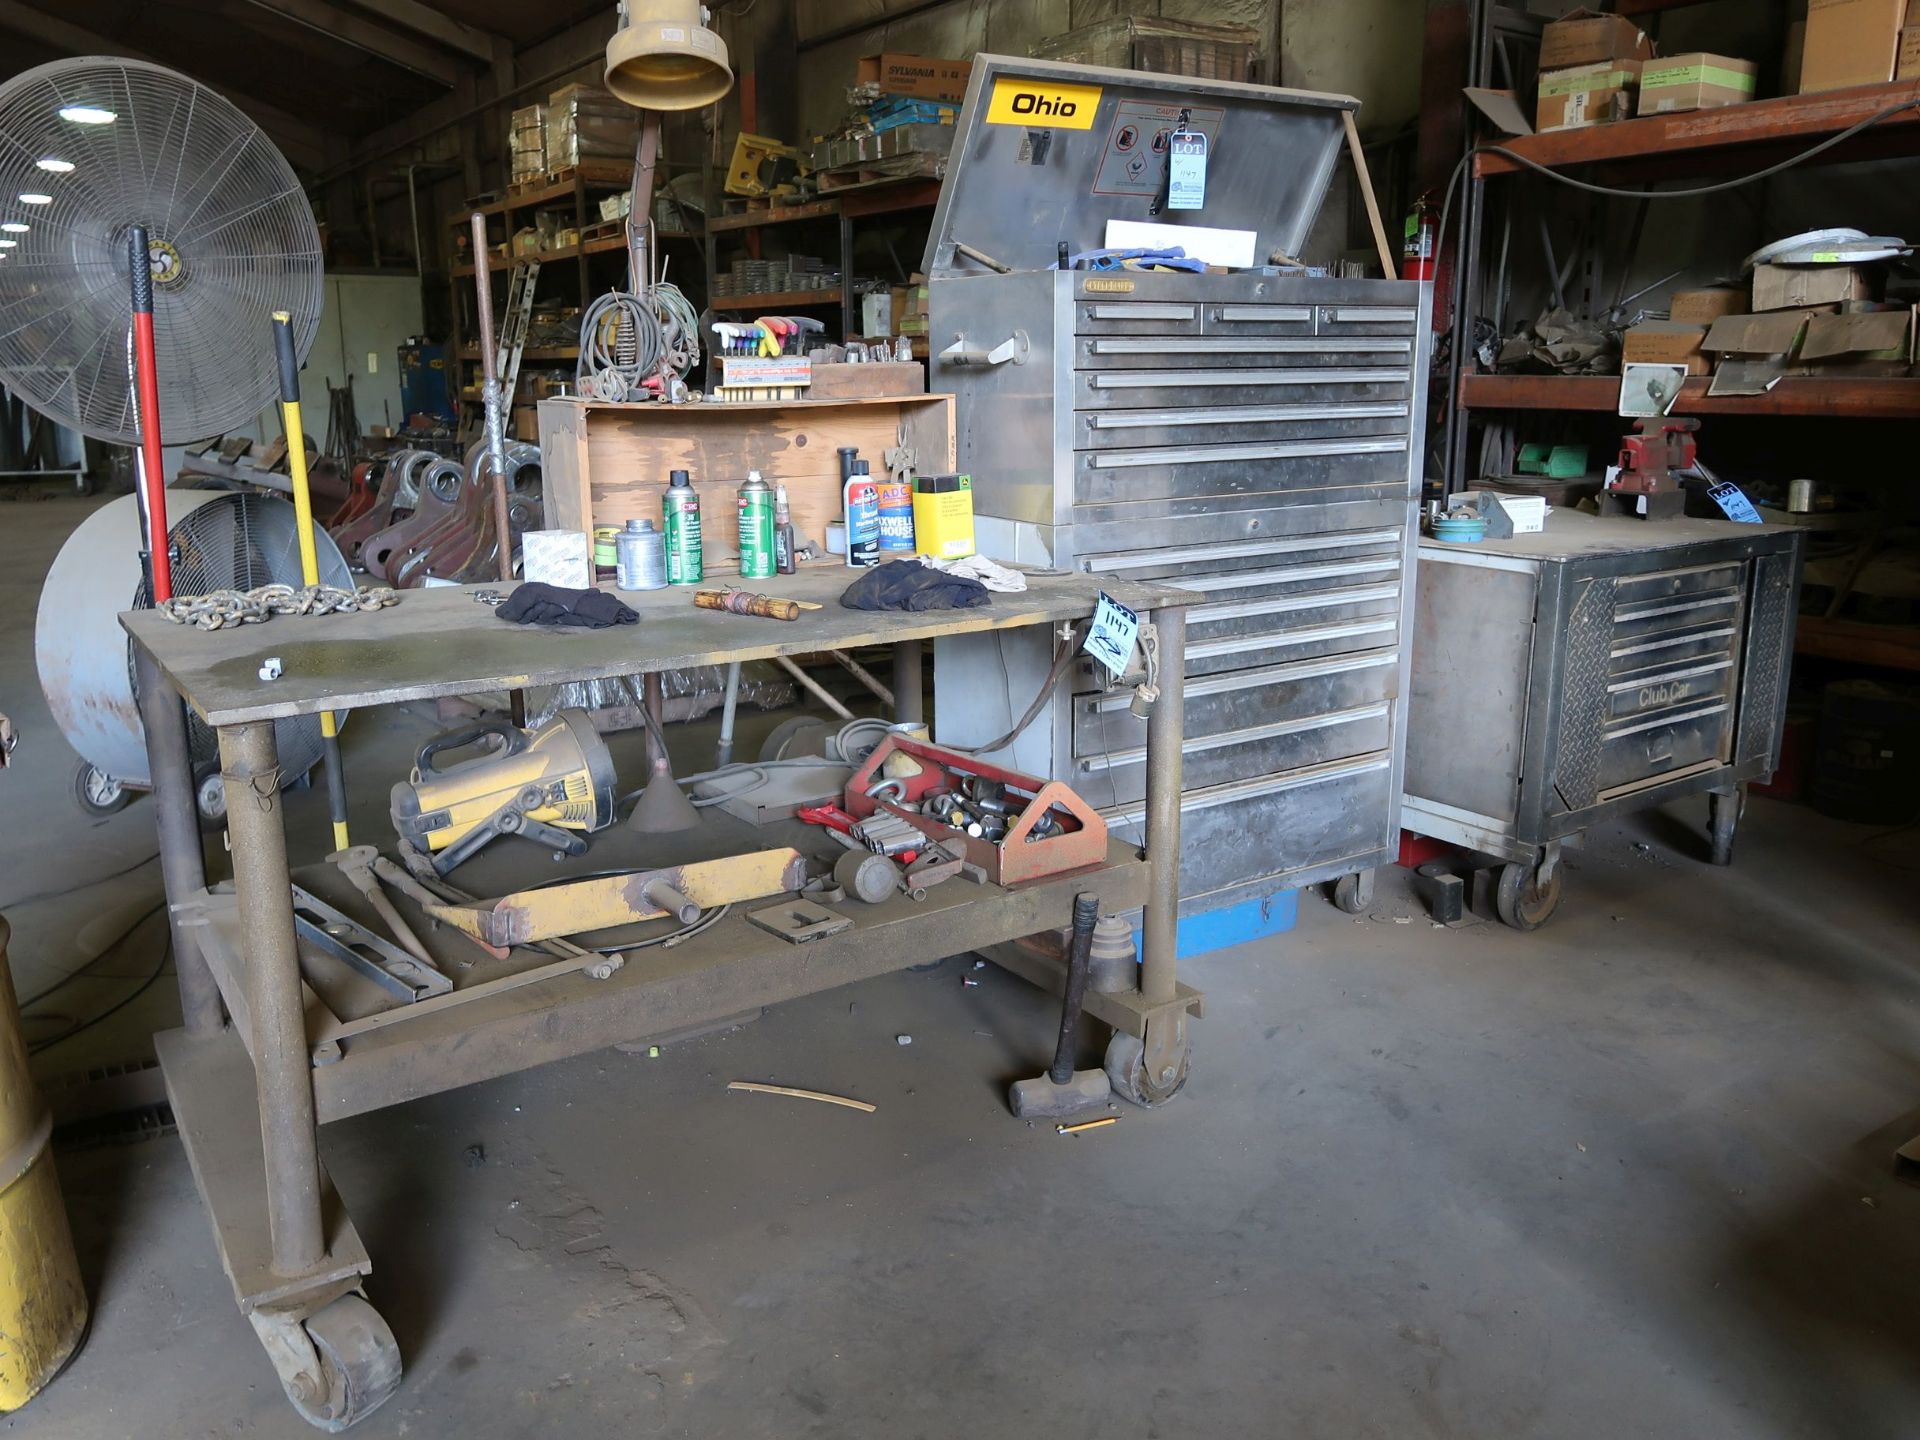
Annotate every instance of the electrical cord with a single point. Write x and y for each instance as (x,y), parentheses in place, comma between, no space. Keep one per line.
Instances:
(147,984)
(34,899)
(79,972)
(621,344)
(1062,661)
(1693,192)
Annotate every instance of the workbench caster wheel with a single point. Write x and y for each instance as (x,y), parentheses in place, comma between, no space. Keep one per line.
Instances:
(1354,893)
(338,1365)
(1126,1067)
(1724,813)
(210,797)
(98,793)
(1523,902)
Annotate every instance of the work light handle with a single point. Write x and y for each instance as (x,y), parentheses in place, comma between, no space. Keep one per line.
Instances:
(289,362)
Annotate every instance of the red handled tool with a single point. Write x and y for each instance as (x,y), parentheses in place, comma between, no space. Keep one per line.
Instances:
(146,372)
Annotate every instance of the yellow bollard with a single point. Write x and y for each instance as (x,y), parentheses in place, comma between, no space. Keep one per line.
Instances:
(43,1306)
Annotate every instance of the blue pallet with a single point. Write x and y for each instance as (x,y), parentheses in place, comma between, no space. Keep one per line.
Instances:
(1258,918)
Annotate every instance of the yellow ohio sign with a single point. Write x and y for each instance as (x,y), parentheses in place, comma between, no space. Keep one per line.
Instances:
(1038,105)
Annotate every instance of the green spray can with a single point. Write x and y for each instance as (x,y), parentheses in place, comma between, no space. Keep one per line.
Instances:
(756,528)
(680,509)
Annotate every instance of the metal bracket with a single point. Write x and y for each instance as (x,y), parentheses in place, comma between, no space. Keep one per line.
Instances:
(800,921)
(1016,348)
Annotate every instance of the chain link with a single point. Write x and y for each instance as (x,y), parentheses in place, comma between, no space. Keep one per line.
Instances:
(220,609)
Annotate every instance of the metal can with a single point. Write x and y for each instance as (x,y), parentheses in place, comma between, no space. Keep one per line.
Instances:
(606,553)
(680,510)
(1800,497)
(896,517)
(642,555)
(862,500)
(756,528)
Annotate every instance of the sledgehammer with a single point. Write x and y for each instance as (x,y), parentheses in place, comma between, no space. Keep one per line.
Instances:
(1063,1090)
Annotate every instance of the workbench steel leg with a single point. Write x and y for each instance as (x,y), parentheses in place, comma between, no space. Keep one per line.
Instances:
(1166,739)
(183,869)
(283,1066)
(909,682)
(723,754)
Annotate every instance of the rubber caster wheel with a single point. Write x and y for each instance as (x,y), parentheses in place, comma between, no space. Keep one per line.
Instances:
(98,793)
(1126,1067)
(1353,894)
(338,1366)
(210,797)
(1522,901)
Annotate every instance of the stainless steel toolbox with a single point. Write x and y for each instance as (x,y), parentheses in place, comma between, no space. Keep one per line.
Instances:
(1254,434)
(1604,666)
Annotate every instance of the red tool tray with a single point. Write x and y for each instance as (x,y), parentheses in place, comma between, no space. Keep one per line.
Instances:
(1082,842)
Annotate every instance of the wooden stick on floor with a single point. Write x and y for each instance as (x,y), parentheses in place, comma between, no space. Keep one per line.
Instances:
(801,1094)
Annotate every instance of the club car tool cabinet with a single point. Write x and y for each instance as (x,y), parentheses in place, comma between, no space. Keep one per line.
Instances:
(1604,666)
(1246,432)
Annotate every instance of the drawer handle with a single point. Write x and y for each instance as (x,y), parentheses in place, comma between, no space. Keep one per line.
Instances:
(1016,348)
(1140,312)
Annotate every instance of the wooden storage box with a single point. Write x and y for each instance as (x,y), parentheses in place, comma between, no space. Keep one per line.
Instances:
(605,464)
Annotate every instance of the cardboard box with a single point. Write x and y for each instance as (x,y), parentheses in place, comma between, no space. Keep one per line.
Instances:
(1703,307)
(1696,82)
(1851,42)
(1794,287)
(1864,344)
(1792,57)
(922,76)
(1909,68)
(1584,37)
(1665,342)
(1753,353)
(1587,95)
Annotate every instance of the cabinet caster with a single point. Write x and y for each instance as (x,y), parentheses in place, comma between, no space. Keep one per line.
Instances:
(1126,1067)
(1522,900)
(1354,893)
(337,1365)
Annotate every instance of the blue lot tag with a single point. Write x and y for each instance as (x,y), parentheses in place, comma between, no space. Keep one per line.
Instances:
(1734,504)
(1116,630)
(1187,170)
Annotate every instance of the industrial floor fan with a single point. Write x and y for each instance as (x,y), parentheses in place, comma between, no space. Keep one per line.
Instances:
(92,149)
(89,149)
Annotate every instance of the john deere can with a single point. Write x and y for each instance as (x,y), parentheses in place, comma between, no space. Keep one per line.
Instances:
(680,509)
(756,528)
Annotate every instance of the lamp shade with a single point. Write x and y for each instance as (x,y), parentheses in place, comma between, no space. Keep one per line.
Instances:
(663,57)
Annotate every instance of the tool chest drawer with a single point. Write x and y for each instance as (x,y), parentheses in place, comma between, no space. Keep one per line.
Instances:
(1642,749)
(1278,467)
(1294,821)
(1095,390)
(1156,352)
(1201,423)
(1141,317)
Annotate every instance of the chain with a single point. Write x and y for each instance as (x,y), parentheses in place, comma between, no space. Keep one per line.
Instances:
(223,608)
(264,786)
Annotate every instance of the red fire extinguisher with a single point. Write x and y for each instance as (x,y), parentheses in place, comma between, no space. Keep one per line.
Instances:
(1419,256)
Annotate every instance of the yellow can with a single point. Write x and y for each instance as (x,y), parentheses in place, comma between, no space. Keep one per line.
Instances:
(43,1306)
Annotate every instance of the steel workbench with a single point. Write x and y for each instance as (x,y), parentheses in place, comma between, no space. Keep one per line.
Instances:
(259,1062)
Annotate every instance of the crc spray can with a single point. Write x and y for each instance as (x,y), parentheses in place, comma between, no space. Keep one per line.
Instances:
(681,510)
(756,528)
(642,555)
(862,500)
(896,516)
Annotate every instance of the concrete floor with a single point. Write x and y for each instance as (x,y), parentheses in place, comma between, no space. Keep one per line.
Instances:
(1628,1176)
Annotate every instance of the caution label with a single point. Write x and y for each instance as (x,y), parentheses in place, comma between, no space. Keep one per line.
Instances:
(1043,105)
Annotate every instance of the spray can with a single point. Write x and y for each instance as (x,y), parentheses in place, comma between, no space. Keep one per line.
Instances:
(756,528)
(681,511)
(642,553)
(896,516)
(783,560)
(862,502)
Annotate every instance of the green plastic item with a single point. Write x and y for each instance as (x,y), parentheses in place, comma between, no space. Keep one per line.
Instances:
(1557,462)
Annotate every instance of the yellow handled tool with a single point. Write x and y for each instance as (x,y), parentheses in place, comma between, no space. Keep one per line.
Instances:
(309,557)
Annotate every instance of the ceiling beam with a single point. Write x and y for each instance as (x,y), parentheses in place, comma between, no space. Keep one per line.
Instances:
(300,139)
(425,20)
(429,61)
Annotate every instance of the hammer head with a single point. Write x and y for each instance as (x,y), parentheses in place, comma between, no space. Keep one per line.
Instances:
(1042,1098)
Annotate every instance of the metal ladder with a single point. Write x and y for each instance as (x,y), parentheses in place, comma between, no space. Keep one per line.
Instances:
(515,321)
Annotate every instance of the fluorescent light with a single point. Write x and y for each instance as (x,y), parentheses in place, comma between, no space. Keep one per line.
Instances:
(34,197)
(87,115)
(55,166)
(14,227)
(8,244)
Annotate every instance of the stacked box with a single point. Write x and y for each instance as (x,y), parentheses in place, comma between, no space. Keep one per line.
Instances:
(1165,47)
(910,308)
(1587,95)
(527,144)
(585,125)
